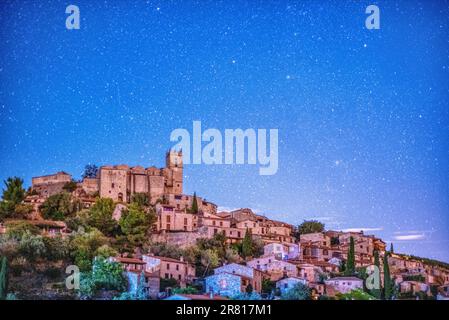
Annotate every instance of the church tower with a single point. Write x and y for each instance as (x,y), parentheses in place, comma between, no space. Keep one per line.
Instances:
(174,166)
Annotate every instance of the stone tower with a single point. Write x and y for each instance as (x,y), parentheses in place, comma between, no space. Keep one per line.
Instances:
(174,167)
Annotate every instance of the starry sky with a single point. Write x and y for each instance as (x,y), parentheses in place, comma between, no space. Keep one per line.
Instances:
(362,115)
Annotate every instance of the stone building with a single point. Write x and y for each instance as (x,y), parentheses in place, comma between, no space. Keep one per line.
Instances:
(122,181)
(50,184)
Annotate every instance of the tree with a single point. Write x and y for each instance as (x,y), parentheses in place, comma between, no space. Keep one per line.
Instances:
(209,260)
(356,294)
(134,223)
(391,248)
(13,194)
(141,199)
(247,244)
(268,286)
(299,292)
(141,290)
(100,215)
(32,246)
(310,226)
(194,208)
(3,278)
(388,284)
(90,171)
(16,229)
(59,206)
(84,247)
(377,292)
(350,263)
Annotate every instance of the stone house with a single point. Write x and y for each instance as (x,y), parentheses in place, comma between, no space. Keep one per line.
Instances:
(286,284)
(276,269)
(249,275)
(169,268)
(226,284)
(282,251)
(343,284)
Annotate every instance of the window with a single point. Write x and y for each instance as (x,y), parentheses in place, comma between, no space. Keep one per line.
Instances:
(185,220)
(179,277)
(168,218)
(177,267)
(221,223)
(166,276)
(112,185)
(168,266)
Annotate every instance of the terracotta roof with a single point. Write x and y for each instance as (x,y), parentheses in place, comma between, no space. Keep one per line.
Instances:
(130,260)
(167,259)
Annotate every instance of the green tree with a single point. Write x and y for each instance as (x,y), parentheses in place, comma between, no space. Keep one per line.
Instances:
(356,294)
(388,284)
(299,292)
(90,171)
(32,247)
(16,229)
(100,216)
(13,194)
(268,286)
(194,208)
(209,260)
(84,247)
(3,278)
(134,223)
(310,226)
(377,292)
(141,290)
(350,263)
(247,244)
(59,206)
(391,248)
(141,199)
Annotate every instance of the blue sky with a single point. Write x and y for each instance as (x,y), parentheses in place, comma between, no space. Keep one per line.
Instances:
(362,114)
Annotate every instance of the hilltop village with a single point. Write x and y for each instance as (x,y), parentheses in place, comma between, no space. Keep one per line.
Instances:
(158,243)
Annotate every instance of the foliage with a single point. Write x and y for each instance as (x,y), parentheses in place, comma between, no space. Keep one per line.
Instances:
(335,241)
(165,250)
(90,171)
(299,292)
(13,195)
(186,290)
(14,191)
(391,248)
(3,278)
(388,284)
(105,275)
(268,286)
(22,210)
(247,296)
(356,294)
(105,251)
(59,206)
(100,216)
(310,226)
(168,283)
(377,293)
(84,246)
(32,246)
(350,263)
(194,208)
(247,244)
(209,260)
(141,199)
(134,224)
(16,229)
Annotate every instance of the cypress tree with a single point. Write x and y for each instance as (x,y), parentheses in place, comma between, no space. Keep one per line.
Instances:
(388,285)
(350,264)
(391,248)
(247,245)
(3,278)
(194,208)
(141,291)
(377,292)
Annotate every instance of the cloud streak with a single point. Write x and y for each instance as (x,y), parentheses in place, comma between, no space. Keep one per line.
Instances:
(410,237)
